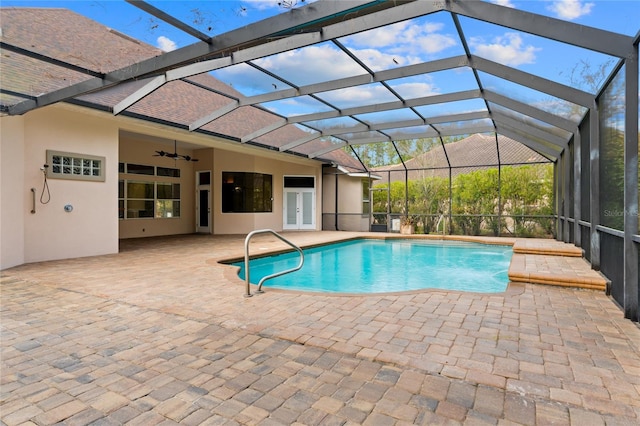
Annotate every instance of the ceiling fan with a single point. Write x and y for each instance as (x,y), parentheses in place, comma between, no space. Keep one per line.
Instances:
(174,154)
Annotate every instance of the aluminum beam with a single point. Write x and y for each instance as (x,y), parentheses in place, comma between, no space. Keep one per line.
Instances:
(532,81)
(147,89)
(516,136)
(445,132)
(594,183)
(327,150)
(387,106)
(468,116)
(300,141)
(566,168)
(49,60)
(215,114)
(143,5)
(257,33)
(555,29)
(358,80)
(552,139)
(631,224)
(263,131)
(533,112)
(465,131)
(577,192)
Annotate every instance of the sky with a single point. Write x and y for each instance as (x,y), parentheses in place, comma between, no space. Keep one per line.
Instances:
(423,39)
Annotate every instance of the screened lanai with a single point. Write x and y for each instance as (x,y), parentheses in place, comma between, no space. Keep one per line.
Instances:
(394,91)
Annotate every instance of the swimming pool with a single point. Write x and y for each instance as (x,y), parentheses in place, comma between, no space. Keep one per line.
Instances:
(382,266)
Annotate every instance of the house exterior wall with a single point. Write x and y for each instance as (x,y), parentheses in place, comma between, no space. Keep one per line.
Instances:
(14,195)
(242,223)
(350,217)
(51,232)
(93,226)
(138,151)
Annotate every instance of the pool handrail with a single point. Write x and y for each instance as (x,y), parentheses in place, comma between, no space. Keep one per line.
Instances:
(277,274)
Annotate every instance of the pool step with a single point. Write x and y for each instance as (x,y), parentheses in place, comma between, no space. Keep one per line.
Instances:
(546,247)
(554,264)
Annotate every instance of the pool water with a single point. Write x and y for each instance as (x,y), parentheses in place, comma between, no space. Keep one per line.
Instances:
(381,266)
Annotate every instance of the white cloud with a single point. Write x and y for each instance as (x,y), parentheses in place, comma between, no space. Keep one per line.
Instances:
(404,39)
(506,3)
(166,44)
(508,49)
(416,90)
(311,64)
(570,9)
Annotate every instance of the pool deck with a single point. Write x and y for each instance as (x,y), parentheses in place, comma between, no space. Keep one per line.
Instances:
(160,333)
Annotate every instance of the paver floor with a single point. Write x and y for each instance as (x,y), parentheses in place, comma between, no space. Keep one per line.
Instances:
(161,333)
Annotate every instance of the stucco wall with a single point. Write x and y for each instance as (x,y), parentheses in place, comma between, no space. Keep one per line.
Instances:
(52,233)
(93,227)
(13,193)
(349,200)
(138,151)
(242,223)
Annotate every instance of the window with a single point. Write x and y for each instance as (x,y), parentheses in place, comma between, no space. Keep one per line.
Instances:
(246,192)
(150,198)
(139,199)
(366,204)
(67,165)
(299,182)
(140,169)
(167,199)
(167,171)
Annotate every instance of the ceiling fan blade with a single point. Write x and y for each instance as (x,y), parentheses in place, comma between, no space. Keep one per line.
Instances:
(159,154)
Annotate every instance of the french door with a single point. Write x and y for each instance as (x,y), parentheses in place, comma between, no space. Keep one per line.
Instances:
(299,208)
(299,202)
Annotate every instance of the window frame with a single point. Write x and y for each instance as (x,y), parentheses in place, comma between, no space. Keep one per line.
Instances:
(228,202)
(55,169)
(164,207)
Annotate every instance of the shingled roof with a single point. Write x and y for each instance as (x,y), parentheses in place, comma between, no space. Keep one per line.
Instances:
(66,36)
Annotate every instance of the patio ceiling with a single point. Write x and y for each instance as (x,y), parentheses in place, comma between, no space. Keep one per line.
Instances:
(373,94)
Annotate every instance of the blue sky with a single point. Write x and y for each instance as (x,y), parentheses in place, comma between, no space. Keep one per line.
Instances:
(419,40)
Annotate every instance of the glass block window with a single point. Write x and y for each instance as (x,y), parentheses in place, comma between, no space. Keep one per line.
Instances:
(67,165)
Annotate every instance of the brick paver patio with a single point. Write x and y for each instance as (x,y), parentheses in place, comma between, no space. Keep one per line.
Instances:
(161,334)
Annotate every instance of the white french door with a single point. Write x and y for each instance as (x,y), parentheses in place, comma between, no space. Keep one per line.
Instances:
(299,208)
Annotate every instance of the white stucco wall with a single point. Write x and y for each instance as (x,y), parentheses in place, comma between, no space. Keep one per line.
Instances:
(52,233)
(350,216)
(242,223)
(93,227)
(13,193)
(138,151)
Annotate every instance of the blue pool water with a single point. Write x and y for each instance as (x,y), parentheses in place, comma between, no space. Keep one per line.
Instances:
(381,266)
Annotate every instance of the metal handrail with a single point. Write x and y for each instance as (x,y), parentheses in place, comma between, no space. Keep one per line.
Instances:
(277,274)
